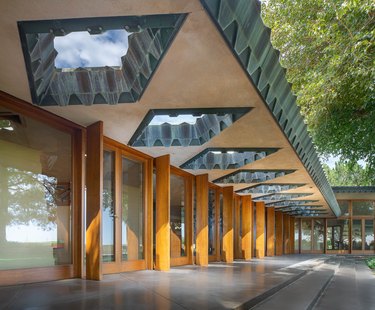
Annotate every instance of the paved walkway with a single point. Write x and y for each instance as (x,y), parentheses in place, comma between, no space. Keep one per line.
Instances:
(220,286)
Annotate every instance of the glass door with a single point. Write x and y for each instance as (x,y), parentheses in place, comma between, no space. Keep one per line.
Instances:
(180,217)
(123,212)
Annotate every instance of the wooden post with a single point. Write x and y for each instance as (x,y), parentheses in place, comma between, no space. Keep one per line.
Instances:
(260,233)
(236,228)
(94,172)
(279,232)
(202,220)
(247,220)
(291,234)
(228,224)
(286,232)
(270,231)
(163,230)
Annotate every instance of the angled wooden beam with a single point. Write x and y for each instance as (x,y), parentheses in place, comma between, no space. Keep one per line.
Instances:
(228,224)
(270,231)
(202,220)
(247,226)
(162,225)
(94,183)
(260,229)
(279,232)
(286,232)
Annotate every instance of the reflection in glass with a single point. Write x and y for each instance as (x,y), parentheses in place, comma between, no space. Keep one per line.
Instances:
(296,235)
(357,235)
(132,210)
(211,222)
(344,206)
(221,225)
(108,210)
(363,207)
(35,194)
(306,235)
(337,234)
(177,210)
(318,244)
(369,235)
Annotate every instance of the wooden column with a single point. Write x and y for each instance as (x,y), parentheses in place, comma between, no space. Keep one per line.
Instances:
(279,232)
(260,233)
(291,234)
(162,225)
(228,224)
(247,220)
(270,231)
(202,220)
(236,228)
(286,231)
(94,183)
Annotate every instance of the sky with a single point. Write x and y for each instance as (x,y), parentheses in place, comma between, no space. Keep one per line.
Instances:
(160,119)
(80,49)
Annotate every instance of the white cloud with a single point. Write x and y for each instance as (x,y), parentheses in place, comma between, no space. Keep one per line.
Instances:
(161,119)
(80,49)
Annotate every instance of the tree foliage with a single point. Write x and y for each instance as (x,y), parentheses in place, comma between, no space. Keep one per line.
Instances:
(346,174)
(328,48)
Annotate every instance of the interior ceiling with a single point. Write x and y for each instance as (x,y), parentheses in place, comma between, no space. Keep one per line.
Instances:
(198,71)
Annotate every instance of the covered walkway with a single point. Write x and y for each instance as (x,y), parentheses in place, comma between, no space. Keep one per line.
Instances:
(332,282)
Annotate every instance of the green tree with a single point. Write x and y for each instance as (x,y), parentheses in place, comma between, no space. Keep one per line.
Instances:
(346,174)
(328,48)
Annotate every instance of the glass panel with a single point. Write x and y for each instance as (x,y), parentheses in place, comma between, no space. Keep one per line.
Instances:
(132,210)
(296,235)
(221,224)
(318,244)
(108,213)
(344,206)
(337,234)
(35,196)
(369,235)
(357,235)
(211,222)
(178,238)
(306,235)
(363,207)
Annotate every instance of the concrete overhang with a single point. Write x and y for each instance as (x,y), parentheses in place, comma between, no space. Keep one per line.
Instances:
(221,57)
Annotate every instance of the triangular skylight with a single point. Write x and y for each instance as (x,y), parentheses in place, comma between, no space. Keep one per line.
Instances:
(120,57)
(184,127)
(268,188)
(252,176)
(226,158)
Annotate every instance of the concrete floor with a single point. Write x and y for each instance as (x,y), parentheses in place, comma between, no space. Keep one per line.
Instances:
(219,286)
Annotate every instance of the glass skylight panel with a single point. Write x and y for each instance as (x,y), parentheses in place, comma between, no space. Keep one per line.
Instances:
(82,49)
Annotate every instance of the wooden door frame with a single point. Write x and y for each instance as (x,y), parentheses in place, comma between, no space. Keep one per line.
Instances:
(122,151)
(188,178)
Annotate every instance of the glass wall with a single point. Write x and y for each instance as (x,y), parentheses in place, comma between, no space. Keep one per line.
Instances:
(35,193)
(306,234)
(177,210)
(211,222)
(132,210)
(337,234)
(363,208)
(344,206)
(318,235)
(296,235)
(357,234)
(369,235)
(108,210)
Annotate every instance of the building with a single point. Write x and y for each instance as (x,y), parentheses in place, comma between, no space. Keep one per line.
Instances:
(189,148)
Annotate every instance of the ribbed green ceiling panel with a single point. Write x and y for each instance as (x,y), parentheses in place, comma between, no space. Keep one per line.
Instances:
(240,23)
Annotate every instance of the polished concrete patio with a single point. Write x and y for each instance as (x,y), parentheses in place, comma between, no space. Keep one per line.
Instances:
(220,286)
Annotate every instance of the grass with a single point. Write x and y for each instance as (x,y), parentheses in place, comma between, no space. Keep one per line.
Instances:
(371,262)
